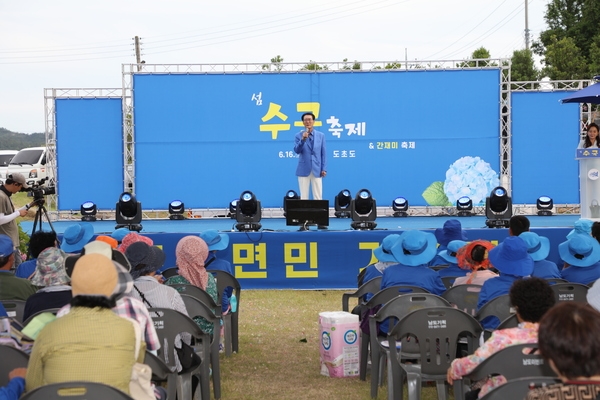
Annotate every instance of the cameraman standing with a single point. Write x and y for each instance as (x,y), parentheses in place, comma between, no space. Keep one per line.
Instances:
(8,215)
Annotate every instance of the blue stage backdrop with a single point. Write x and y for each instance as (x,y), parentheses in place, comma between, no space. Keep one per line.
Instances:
(545,134)
(89,148)
(429,136)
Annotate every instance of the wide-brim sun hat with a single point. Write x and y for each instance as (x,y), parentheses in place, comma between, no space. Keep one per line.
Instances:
(415,248)
(452,230)
(580,251)
(97,247)
(97,275)
(50,268)
(450,253)
(76,236)
(215,240)
(384,251)
(464,256)
(538,246)
(119,234)
(581,227)
(144,259)
(511,258)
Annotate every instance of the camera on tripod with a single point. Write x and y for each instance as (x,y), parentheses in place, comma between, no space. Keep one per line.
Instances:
(37,191)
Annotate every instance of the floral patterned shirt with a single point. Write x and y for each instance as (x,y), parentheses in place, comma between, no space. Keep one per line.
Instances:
(527,332)
(211,289)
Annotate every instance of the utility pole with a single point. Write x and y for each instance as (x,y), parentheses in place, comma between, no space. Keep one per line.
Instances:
(526,26)
(138,56)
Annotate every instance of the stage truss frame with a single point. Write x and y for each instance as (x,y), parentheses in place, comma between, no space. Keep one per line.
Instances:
(507,86)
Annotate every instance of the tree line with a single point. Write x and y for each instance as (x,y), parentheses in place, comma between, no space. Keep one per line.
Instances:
(16,141)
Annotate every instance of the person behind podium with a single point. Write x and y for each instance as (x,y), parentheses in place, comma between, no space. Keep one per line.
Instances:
(312,163)
(591,137)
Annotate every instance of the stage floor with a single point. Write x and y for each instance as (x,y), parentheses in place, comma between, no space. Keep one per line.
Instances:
(282,257)
(278,224)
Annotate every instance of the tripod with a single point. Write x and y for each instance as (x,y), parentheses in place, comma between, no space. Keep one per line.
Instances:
(38,217)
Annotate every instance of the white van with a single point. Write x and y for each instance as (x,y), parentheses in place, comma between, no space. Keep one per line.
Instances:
(31,162)
(5,157)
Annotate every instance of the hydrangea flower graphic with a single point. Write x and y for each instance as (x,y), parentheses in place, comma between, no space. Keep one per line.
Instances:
(467,176)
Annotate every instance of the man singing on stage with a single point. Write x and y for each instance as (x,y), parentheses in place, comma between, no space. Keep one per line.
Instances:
(312,164)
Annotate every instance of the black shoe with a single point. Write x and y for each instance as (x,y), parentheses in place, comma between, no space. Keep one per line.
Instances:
(303,228)
(322,227)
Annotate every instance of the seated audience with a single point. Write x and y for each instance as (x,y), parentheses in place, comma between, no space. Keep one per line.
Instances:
(11,287)
(531,298)
(538,248)
(568,339)
(190,253)
(517,225)
(581,255)
(413,250)
(147,285)
(16,385)
(108,240)
(126,306)
(218,242)
(449,255)
(76,236)
(385,258)
(90,343)
(581,227)
(134,237)
(452,230)
(50,275)
(119,234)
(513,262)
(474,257)
(39,241)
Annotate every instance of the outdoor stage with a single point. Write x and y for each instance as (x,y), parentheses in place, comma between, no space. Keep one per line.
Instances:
(281,257)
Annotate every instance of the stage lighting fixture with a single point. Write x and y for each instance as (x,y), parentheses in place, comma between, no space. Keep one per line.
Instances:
(233,208)
(128,212)
(498,208)
(544,205)
(364,211)
(88,211)
(342,204)
(176,210)
(464,206)
(400,207)
(248,213)
(290,195)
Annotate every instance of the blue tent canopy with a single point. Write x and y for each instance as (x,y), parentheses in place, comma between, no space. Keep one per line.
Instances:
(590,94)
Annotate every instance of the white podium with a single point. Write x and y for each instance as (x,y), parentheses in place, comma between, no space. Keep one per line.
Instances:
(589,182)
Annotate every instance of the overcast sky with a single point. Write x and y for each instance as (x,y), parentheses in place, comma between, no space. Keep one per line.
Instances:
(82,44)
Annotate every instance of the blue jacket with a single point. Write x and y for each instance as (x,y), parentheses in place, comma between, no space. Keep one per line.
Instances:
(26,268)
(421,276)
(545,269)
(491,289)
(221,265)
(13,390)
(584,275)
(313,154)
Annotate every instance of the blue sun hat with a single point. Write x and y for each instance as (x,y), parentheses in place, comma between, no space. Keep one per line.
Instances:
(510,257)
(6,246)
(450,253)
(384,251)
(581,227)
(215,240)
(76,236)
(415,248)
(452,230)
(580,251)
(538,246)
(119,234)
